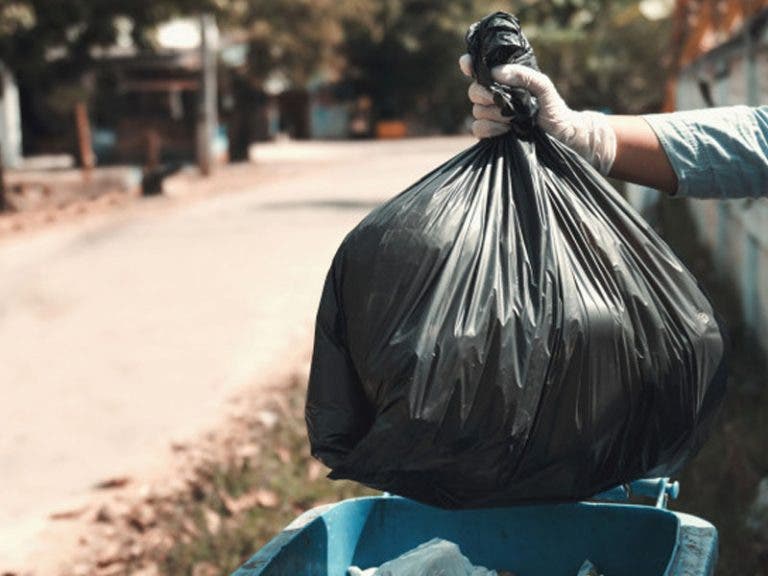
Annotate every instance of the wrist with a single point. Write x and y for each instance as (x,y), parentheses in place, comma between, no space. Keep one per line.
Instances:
(593,138)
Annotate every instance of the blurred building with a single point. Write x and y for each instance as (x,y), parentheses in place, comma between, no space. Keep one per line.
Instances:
(151,100)
(330,109)
(154,105)
(722,60)
(143,105)
(146,105)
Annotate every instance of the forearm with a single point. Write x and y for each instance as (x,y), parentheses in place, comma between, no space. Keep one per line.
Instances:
(716,152)
(640,157)
(712,153)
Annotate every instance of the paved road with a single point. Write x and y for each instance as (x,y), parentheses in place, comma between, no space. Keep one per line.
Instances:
(121,334)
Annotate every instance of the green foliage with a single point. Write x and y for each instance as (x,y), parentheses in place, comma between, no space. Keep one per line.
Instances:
(609,57)
(296,37)
(601,54)
(404,55)
(31,29)
(48,46)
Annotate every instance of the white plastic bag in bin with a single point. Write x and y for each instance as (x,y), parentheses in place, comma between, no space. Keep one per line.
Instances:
(433,558)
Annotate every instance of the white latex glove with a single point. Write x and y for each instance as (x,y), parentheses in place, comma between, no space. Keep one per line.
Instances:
(587,133)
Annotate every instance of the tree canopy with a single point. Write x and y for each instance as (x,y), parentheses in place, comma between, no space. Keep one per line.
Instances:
(601,54)
(31,30)
(402,53)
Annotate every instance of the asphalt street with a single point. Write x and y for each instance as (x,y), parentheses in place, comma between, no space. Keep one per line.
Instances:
(122,334)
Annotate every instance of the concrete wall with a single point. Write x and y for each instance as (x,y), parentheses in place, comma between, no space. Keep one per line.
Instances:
(10,119)
(735,230)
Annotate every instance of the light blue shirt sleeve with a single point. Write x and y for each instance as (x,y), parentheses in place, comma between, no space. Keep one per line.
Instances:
(717,152)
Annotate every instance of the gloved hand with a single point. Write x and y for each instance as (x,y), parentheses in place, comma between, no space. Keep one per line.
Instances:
(589,134)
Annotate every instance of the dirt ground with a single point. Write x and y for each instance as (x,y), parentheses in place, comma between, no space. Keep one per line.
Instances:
(129,329)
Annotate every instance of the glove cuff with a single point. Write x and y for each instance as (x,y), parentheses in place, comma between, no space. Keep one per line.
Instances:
(593,138)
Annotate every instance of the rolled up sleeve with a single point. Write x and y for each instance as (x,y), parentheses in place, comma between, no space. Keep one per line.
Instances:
(717,152)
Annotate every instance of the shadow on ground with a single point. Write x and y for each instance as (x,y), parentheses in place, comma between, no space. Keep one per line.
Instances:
(319,204)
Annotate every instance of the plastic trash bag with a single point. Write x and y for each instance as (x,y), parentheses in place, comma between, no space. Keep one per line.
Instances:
(355,571)
(434,558)
(588,569)
(508,329)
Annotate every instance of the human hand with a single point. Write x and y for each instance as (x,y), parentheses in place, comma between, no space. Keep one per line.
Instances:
(587,133)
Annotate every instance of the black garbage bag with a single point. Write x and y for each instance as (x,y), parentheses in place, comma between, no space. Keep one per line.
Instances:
(508,329)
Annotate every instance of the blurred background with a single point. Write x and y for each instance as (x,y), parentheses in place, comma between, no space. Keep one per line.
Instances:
(307,70)
(175,176)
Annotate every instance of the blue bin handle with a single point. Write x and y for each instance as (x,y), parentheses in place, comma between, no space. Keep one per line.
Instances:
(659,488)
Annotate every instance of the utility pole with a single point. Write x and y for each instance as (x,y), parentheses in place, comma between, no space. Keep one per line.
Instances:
(2,181)
(207,120)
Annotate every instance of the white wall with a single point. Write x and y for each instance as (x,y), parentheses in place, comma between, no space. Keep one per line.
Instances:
(736,231)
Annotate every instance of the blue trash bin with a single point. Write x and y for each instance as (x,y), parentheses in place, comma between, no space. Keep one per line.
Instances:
(530,540)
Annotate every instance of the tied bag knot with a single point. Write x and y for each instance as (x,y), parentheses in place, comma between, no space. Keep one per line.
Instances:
(496,40)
